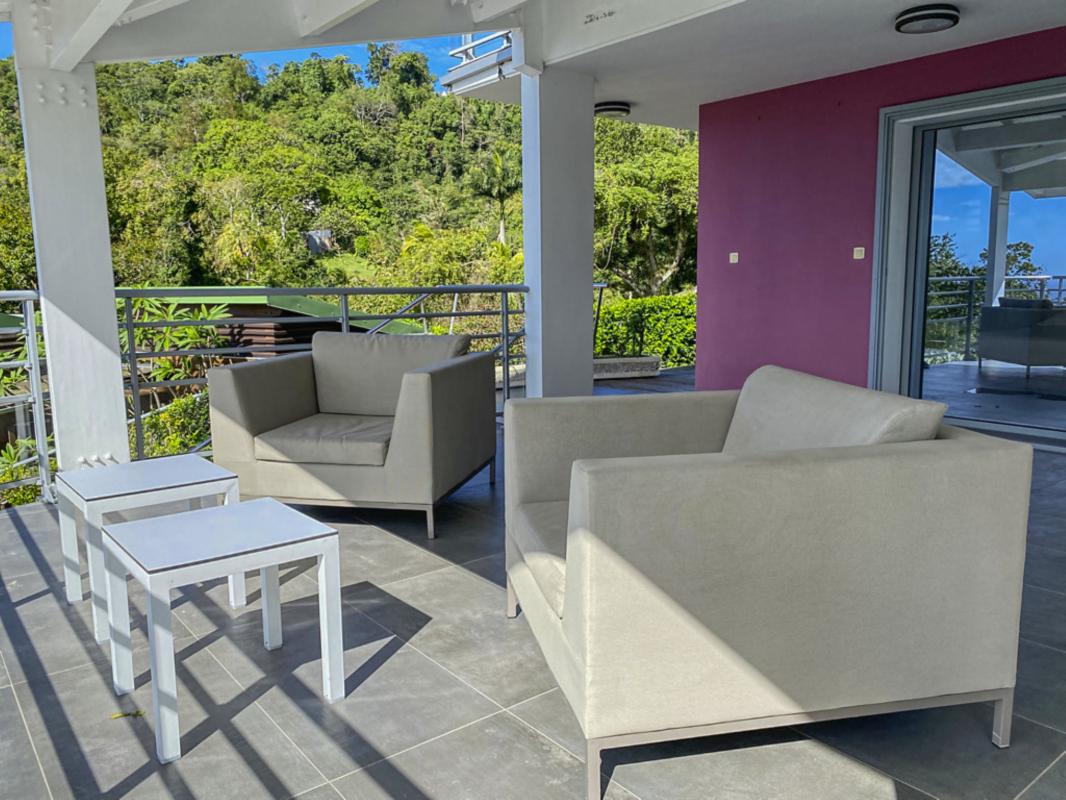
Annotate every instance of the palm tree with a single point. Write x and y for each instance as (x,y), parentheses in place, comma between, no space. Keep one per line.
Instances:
(496,177)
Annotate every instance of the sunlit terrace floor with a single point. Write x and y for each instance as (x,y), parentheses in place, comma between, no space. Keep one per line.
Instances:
(447,699)
(1000,392)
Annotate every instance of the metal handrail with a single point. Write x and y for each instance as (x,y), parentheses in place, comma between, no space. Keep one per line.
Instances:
(467,51)
(34,399)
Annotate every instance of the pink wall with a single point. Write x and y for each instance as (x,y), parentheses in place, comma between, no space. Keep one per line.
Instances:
(787,179)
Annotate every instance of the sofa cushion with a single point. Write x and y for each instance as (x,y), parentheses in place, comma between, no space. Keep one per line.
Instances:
(779,409)
(539,535)
(328,439)
(361,373)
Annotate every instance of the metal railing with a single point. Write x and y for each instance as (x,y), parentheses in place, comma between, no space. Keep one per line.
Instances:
(953,306)
(468,50)
(491,325)
(25,375)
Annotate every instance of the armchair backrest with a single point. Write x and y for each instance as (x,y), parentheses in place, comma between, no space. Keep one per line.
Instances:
(779,409)
(360,373)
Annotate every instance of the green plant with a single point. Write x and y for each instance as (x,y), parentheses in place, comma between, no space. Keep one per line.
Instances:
(176,428)
(16,465)
(664,326)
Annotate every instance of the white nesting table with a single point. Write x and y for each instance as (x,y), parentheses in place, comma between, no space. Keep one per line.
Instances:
(88,494)
(164,553)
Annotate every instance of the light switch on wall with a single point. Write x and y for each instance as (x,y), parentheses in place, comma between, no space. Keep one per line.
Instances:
(734,258)
(859,253)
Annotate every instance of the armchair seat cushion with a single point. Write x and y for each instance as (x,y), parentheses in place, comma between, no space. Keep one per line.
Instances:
(539,535)
(328,439)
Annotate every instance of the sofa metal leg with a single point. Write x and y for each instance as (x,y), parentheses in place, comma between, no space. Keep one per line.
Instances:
(592,770)
(492,471)
(1001,719)
(512,600)
(431,530)
(1028,370)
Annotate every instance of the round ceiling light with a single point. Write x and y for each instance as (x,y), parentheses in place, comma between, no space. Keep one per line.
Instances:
(616,109)
(928,19)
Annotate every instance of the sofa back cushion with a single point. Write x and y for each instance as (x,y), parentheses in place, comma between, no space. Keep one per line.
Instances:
(361,373)
(779,409)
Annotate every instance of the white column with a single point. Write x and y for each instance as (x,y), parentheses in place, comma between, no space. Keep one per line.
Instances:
(998,217)
(61,130)
(557,196)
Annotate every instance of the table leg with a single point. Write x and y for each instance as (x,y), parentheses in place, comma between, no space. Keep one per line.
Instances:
(164,679)
(118,612)
(329,621)
(97,582)
(68,537)
(271,599)
(238,592)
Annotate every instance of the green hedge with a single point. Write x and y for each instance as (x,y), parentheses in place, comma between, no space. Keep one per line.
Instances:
(178,427)
(664,326)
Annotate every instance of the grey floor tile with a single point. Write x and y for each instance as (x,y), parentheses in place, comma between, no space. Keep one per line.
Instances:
(1049,786)
(1045,568)
(495,759)
(325,792)
(1044,617)
(947,752)
(1041,690)
(230,748)
(463,534)
(491,568)
(457,619)
(40,633)
(29,542)
(371,554)
(779,764)
(1047,530)
(20,775)
(395,697)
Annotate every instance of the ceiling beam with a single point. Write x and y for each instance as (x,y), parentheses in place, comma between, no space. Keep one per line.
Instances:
(1026,157)
(1046,176)
(315,17)
(85,24)
(146,9)
(485,10)
(1019,134)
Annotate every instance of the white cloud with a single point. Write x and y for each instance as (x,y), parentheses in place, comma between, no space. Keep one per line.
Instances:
(950,175)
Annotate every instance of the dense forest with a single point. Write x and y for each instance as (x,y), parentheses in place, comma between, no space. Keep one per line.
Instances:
(217,175)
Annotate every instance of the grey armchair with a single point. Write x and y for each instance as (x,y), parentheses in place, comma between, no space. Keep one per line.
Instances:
(362,420)
(802,550)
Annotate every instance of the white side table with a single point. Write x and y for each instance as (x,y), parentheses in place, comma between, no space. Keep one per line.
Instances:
(164,553)
(88,494)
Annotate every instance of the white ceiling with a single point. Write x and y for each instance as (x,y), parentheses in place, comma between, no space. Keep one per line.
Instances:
(757,45)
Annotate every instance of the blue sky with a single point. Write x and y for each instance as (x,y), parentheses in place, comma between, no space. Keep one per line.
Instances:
(960,206)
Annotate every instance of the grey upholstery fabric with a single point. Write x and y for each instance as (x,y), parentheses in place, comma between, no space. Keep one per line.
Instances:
(539,534)
(780,409)
(701,588)
(361,373)
(328,439)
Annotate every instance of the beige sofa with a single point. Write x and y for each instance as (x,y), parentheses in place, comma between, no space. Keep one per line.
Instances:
(802,550)
(362,420)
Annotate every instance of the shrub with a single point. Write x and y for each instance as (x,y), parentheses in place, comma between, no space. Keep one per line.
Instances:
(177,427)
(664,326)
(11,470)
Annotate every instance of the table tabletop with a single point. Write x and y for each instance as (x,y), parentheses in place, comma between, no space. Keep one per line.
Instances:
(196,537)
(137,477)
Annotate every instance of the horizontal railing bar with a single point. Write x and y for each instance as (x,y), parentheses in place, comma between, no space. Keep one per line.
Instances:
(219,351)
(170,384)
(18,294)
(14,365)
(241,291)
(353,317)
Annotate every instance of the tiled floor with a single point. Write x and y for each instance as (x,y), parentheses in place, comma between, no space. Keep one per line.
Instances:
(449,700)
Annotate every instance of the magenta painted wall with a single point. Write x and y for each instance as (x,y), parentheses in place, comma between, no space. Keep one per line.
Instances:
(788,180)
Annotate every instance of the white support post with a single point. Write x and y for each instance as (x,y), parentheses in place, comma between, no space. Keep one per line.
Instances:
(61,130)
(557,194)
(999,214)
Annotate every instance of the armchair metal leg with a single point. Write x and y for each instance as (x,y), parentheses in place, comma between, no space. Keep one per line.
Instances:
(1001,719)
(592,770)
(492,471)
(431,531)
(1028,370)
(512,600)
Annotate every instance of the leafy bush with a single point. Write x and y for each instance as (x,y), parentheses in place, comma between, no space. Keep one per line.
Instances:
(176,428)
(664,326)
(11,470)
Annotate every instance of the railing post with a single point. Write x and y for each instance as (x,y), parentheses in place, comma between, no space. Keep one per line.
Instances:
(346,323)
(505,345)
(135,383)
(40,425)
(596,322)
(967,351)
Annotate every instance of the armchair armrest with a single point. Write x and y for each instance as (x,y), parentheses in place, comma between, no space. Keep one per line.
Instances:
(445,424)
(798,580)
(544,437)
(257,396)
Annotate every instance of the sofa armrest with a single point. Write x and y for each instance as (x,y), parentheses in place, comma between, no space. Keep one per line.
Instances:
(544,437)
(445,424)
(257,396)
(798,580)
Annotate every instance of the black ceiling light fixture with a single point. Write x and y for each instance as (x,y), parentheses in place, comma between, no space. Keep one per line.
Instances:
(616,109)
(931,18)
